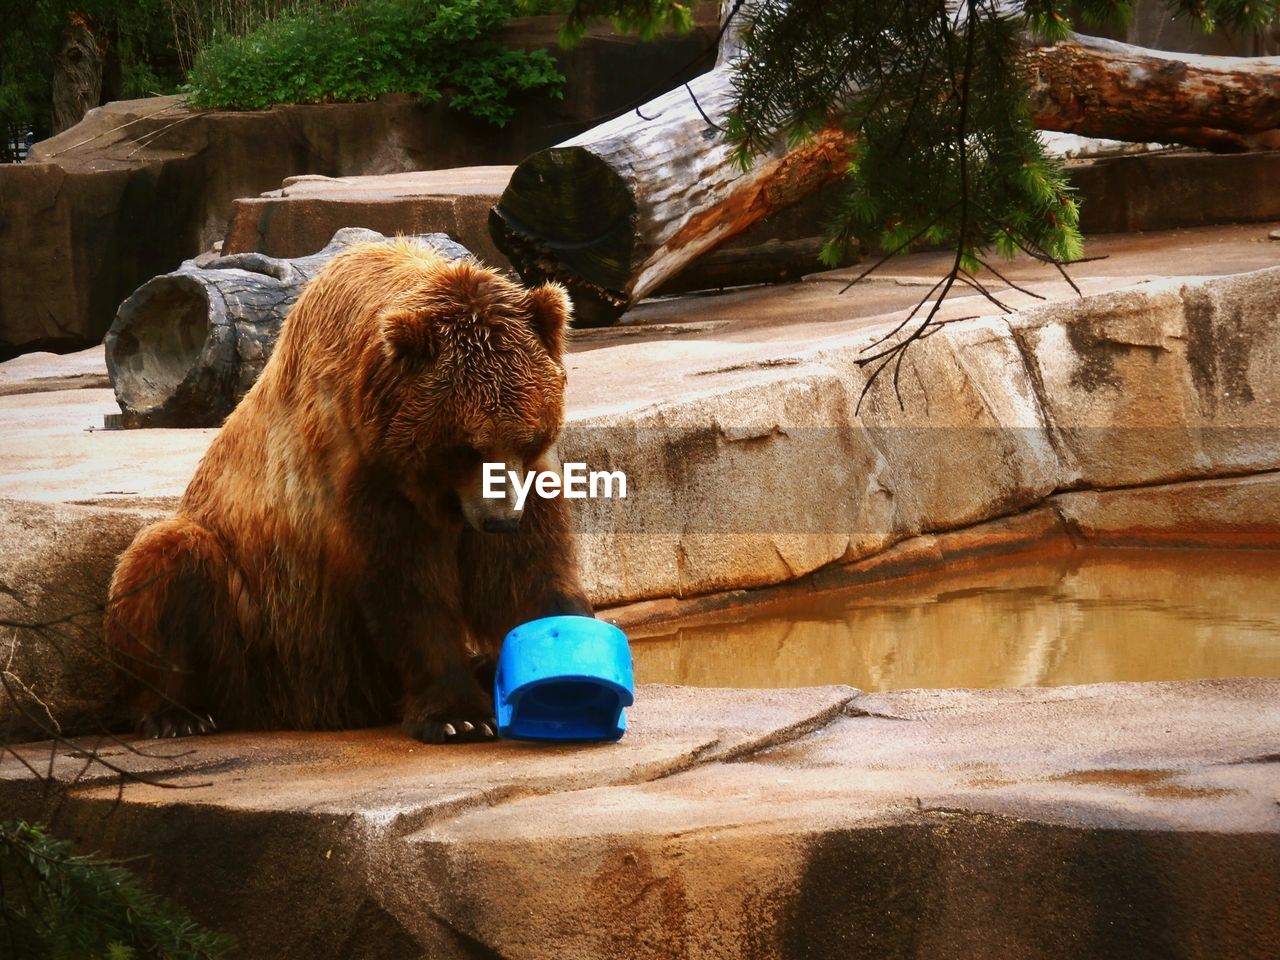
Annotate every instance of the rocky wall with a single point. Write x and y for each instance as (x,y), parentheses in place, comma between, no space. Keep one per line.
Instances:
(782,474)
(139,186)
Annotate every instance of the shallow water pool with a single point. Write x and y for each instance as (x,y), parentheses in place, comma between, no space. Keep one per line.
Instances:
(1087,616)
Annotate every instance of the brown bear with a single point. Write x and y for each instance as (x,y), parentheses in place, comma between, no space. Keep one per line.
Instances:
(332,563)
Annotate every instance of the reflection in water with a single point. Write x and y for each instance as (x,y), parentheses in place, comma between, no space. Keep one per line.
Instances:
(1089,616)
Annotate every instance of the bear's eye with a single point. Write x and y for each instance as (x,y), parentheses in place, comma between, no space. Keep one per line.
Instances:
(536,447)
(464,455)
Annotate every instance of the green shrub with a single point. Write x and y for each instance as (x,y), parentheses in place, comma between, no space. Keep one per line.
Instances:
(433,48)
(55,905)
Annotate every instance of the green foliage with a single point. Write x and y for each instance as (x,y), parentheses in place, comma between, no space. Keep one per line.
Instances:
(197,24)
(647,18)
(434,48)
(946,151)
(56,905)
(1052,19)
(541,8)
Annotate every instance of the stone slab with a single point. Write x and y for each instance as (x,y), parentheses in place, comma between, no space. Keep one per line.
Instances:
(300,217)
(1136,820)
(47,372)
(55,562)
(388,778)
(1178,189)
(1227,512)
(1104,820)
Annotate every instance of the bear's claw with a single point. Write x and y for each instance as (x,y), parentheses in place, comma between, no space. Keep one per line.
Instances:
(175,722)
(452,731)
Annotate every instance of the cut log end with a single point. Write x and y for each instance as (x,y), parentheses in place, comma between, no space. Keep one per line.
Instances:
(186,346)
(155,350)
(585,219)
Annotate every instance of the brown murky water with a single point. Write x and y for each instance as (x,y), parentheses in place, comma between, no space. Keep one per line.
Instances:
(1090,616)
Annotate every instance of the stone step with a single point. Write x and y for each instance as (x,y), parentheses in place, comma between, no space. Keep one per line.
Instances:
(301,217)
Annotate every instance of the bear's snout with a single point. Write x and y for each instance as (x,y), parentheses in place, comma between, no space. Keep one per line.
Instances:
(495,510)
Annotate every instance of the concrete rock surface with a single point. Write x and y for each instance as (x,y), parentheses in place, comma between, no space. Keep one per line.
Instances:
(1111,820)
(55,560)
(1145,412)
(299,218)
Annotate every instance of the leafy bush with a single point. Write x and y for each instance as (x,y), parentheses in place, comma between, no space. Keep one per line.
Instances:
(55,904)
(446,48)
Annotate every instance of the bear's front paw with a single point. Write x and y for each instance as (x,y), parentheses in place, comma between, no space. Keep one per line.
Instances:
(175,722)
(451,729)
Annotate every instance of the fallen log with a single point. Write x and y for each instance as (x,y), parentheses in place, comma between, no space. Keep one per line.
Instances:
(617,210)
(1100,88)
(186,346)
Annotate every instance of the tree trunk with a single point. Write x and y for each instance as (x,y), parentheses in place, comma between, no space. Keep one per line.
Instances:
(617,210)
(186,346)
(77,75)
(1101,88)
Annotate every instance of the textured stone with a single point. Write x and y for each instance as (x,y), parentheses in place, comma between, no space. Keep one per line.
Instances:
(1228,512)
(55,561)
(1107,820)
(713,482)
(933,824)
(1162,382)
(748,465)
(967,442)
(305,212)
(45,372)
(1179,189)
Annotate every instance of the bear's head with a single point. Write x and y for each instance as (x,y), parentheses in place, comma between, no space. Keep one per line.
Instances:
(470,373)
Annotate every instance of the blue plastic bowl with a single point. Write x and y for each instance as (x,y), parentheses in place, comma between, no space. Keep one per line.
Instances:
(564,678)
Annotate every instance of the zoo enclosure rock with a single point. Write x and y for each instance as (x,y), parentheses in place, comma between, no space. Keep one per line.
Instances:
(301,216)
(1103,820)
(1168,381)
(750,466)
(55,559)
(139,186)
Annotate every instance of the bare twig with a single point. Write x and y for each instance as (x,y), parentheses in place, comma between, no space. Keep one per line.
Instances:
(148,139)
(165,109)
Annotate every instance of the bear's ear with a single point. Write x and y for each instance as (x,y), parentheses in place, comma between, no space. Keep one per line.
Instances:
(550,309)
(406,334)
